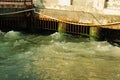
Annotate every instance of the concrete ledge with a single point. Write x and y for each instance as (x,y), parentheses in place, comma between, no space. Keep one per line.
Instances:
(82,18)
(112,11)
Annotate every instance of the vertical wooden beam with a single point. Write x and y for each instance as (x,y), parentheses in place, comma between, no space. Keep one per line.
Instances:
(61,27)
(94,31)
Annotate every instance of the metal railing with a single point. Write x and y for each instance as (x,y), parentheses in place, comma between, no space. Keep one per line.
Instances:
(24,1)
(15,0)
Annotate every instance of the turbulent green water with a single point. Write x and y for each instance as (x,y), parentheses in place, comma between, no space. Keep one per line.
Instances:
(56,57)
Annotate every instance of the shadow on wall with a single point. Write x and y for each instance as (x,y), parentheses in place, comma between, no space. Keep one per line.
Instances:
(39,4)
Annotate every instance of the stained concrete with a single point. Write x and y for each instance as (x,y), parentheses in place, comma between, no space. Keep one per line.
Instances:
(80,17)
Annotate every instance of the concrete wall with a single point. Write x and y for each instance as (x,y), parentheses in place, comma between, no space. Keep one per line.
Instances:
(111,7)
(75,5)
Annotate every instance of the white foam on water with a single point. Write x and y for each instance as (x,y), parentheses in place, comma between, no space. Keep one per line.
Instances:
(19,42)
(12,35)
(101,46)
(53,57)
(1,33)
(56,35)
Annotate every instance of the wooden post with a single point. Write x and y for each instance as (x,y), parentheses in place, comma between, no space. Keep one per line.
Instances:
(61,27)
(94,33)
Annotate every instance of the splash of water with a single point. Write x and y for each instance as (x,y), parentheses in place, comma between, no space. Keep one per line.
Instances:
(12,35)
(1,33)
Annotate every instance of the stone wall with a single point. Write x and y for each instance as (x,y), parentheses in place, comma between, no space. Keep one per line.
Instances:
(113,4)
(73,5)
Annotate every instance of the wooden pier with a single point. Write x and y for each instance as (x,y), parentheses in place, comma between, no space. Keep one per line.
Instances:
(7,6)
(21,12)
(15,3)
(14,14)
(79,23)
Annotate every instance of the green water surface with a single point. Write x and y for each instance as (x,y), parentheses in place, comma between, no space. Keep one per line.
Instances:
(56,57)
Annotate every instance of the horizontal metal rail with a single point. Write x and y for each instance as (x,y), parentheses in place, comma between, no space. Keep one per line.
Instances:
(15,0)
(15,3)
(17,12)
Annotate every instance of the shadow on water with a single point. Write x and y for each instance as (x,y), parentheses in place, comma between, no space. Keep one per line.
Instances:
(112,36)
(115,43)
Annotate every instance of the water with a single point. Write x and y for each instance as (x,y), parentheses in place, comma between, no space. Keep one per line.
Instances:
(56,57)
